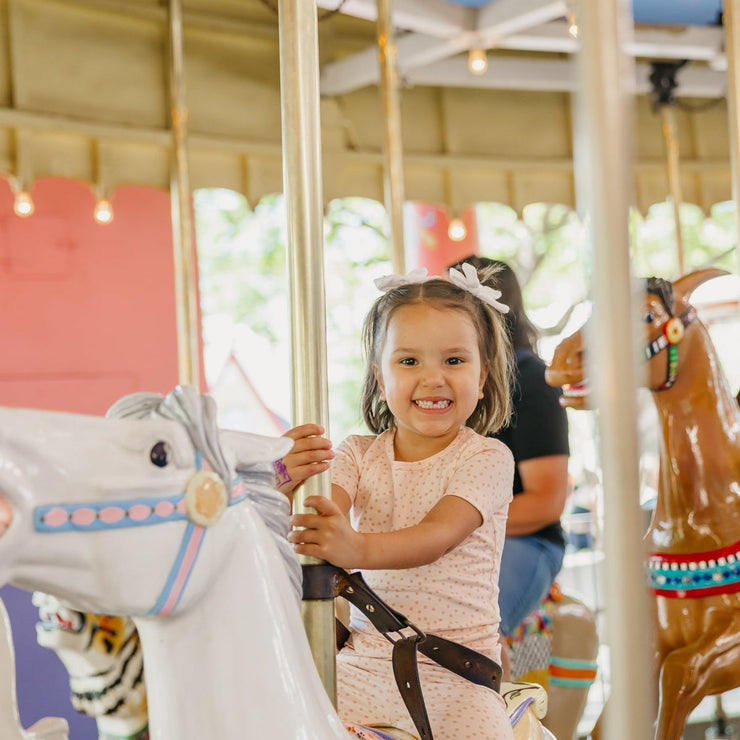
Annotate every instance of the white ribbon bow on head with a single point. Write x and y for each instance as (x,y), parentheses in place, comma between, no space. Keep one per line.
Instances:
(391,282)
(468,279)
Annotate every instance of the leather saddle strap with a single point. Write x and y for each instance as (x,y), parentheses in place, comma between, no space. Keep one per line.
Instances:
(457,658)
(463,661)
(469,664)
(352,587)
(406,671)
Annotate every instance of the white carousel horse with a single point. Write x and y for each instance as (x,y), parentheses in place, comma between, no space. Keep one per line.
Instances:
(48,728)
(218,613)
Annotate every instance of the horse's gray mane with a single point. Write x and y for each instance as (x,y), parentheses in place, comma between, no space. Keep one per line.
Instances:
(197,414)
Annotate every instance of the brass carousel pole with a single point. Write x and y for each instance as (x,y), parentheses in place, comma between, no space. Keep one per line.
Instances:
(393,149)
(668,116)
(186,288)
(299,91)
(663,79)
(731,19)
(603,156)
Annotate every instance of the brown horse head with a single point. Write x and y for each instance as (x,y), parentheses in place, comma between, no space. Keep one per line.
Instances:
(666,312)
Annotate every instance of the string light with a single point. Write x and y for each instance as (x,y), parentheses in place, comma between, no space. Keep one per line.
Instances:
(103,213)
(477,61)
(571,16)
(457,230)
(23,205)
(572,25)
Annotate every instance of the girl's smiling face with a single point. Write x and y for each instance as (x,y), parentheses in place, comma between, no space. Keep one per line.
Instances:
(430,376)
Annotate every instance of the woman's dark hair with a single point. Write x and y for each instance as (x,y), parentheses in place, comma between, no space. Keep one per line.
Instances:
(524,334)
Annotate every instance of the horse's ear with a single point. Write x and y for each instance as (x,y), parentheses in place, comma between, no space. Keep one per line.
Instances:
(249,449)
(687,284)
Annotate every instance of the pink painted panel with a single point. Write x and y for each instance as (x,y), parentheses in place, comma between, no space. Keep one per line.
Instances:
(427,241)
(87,314)
(87,311)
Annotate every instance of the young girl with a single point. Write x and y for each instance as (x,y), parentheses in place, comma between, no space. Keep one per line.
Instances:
(427,496)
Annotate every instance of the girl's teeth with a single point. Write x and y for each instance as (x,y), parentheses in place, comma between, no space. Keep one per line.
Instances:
(433,404)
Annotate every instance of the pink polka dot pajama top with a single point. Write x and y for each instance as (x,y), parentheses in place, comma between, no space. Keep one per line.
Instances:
(455,597)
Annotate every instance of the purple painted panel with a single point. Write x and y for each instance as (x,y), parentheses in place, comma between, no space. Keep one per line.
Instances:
(42,682)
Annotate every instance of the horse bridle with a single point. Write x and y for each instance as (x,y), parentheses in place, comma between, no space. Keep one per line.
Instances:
(202,503)
(672,332)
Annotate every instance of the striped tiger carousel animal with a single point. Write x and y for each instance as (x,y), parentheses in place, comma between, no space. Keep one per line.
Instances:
(103,657)
(156,514)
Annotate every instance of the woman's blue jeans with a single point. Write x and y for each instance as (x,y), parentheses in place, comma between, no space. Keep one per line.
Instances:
(528,567)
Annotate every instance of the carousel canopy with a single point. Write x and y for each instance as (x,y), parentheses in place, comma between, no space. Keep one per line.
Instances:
(85,95)
(663,12)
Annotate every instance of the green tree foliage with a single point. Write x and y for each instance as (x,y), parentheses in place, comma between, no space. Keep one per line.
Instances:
(707,242)
(243,274)
(242,263)
(545,248)
(242,260)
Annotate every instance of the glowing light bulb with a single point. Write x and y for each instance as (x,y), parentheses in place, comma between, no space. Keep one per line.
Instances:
(572,25)
(477,61)
(23,205)
(103,211)
(457,230)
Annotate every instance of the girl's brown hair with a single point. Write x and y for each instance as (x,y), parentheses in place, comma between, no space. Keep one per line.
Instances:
(494,409)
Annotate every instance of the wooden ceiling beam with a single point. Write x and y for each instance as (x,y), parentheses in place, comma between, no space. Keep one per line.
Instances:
(428,17)
(554,75)
(417,49)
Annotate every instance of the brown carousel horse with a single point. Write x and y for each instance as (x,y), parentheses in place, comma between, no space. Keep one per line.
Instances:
(693,567)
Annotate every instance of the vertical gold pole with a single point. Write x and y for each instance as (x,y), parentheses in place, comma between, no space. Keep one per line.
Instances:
(186,288)
(603,163)
(670,135)
(299,91)
(731,16)
(393,150)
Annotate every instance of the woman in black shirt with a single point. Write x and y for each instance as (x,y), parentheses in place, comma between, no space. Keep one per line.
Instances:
(538,438)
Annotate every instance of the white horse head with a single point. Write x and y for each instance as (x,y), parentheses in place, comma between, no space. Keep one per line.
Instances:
(85,493)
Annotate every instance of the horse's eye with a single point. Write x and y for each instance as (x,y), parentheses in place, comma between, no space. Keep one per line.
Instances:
(648,318)
(160,454)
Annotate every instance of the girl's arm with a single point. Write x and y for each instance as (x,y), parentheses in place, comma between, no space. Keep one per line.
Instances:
(328,534)
(310,455)
(545,481)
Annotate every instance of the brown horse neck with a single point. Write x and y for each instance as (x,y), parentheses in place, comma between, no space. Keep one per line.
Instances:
(698,504)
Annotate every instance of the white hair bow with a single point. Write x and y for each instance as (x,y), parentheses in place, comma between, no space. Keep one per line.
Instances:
(468,279)
(391,282)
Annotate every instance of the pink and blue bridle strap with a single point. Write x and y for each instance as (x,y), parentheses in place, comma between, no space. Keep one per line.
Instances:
(138,512)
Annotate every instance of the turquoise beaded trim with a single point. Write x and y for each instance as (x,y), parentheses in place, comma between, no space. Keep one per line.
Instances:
(695,575)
